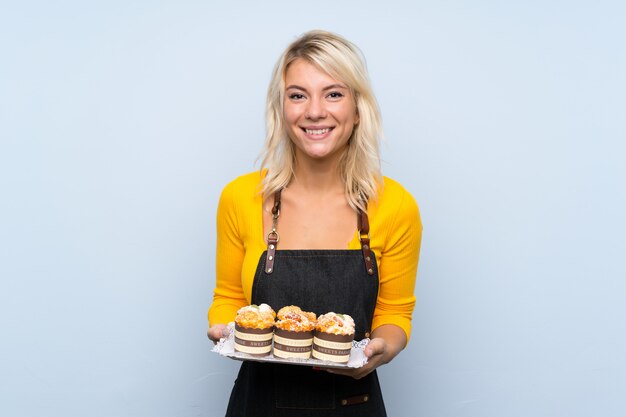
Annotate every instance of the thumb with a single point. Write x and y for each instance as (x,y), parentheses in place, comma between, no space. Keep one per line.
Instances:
(374,347)
(217,331)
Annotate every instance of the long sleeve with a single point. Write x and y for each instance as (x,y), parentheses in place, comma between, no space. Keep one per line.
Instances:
(228,296)
(399,256)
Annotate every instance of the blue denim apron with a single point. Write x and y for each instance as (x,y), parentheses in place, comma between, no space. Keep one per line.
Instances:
(342,281)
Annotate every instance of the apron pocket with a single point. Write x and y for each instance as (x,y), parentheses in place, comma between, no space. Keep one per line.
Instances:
(300,387)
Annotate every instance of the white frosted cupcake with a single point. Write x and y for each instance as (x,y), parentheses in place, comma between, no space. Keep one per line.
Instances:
(333,338)
(254,326)
(293,335)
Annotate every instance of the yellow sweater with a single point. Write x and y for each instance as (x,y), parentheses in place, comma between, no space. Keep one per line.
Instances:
(396,232)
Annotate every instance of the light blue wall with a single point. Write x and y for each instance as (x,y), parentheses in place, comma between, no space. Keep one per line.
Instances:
(121,121)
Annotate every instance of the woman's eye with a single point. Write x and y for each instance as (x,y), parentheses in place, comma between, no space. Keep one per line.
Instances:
(335,95)
(296,96)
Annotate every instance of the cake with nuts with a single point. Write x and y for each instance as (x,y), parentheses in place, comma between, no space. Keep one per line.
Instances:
(293,333)
(333,337)
(254,326)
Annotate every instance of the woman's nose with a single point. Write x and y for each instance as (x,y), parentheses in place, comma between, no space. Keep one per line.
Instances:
(315,109)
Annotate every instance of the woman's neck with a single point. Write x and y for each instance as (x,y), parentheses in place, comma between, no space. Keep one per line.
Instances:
(317,177)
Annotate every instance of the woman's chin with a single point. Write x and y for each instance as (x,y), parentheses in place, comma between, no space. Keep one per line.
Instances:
(319,153)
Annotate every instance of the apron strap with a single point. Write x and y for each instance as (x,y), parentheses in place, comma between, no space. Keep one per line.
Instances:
(273,237)
(364,238)
(363,226)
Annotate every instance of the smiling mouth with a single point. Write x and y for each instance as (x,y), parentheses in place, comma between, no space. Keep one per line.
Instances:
(317,131)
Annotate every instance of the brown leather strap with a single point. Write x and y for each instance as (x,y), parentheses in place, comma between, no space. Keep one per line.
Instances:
(358,399)
(273,237)
(364,238)
(276,208)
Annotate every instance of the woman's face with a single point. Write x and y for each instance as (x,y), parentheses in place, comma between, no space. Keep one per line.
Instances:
(319,112)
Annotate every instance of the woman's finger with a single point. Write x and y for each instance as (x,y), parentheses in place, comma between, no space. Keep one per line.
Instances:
(215,333)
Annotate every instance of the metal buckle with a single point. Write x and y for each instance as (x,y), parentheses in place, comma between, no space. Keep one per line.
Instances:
(273,233)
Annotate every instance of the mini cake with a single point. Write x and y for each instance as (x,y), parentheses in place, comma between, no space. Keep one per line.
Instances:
(253,329)
(333,338)
(293,335)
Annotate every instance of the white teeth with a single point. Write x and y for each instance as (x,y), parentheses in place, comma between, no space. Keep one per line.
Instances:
(317,131)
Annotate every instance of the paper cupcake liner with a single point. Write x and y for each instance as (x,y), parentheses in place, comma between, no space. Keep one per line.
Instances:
(256,342)
(290,344)
(332,347)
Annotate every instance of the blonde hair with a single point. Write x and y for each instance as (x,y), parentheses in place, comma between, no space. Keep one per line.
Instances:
(360,164)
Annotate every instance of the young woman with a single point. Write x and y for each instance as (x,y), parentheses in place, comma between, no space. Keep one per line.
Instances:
(321,228)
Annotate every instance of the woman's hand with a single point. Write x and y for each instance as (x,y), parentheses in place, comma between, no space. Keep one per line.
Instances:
(375,353)
(387,341)
(216,332)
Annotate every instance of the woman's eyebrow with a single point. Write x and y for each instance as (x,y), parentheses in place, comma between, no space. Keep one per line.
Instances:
(296,87)
(333,86)
(330,87)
